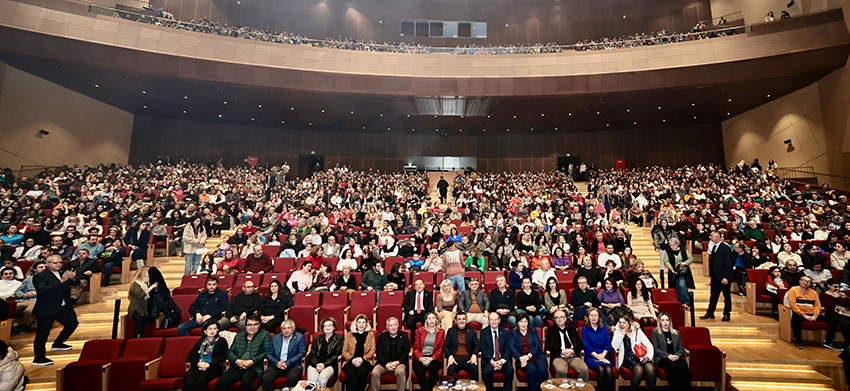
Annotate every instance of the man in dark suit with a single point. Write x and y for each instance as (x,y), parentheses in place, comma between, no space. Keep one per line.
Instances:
(461,348)
(417,303)
(495,356)
(53,304)
(721,263)
(443,188)
(285,362)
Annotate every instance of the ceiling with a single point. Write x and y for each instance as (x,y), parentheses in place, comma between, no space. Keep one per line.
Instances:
(235,104)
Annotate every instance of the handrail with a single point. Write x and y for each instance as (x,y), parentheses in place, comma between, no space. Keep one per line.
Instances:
(729,17)
(807,174)
(31,171)
(294,39)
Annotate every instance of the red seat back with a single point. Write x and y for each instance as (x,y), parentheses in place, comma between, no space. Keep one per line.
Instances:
(390,261)
(174,354)
(304,317)
(225,281)
(184,301)
(391,297)
(307,299)
(271,250)
(241,278)
(335,299)
(757,276)
(695,336)
(384,312)
(102,349)
(284,265)
(362,303)
(426,277)
(147,348)
(193,281)
(663,295)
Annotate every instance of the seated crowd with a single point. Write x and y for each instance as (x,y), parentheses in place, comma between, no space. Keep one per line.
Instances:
(161,17)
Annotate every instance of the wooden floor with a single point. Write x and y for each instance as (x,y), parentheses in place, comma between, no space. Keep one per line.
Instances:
(756,359)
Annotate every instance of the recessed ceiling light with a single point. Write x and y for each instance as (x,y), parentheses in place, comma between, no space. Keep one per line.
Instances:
(283,122)
(388,128)
(323,110)
(730,99)
(514,116)
(659,107)
(695,117)
(185,97)
(260,106)
(145,107)
(184,111)
(571,114)
(663,120)
(96,86)
(509,130)
(352,112)
(291,108)
(225,102)
(607,124)
(542,115)
(628,110)
(597,113)
(219,116)
(768,95)
(728,113)
(144,92)
(488,116)
(382,115)
(635,123)
(364,127)
(485,130)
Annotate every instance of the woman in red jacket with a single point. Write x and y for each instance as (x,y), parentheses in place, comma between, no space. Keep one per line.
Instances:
(428,352)
(773,282)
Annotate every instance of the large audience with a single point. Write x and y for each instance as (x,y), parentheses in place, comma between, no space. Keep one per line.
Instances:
(164,18)
(340,227)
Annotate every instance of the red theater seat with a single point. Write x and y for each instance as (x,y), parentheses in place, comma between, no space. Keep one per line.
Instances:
(85,374)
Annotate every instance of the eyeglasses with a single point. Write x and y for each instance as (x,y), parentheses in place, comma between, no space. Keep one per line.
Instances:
(252,325)
(560,317)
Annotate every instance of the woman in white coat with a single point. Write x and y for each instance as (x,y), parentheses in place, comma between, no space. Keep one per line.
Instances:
(635,353)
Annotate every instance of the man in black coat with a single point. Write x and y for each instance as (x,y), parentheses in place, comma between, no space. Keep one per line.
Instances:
(721,263)
(495,356)
(417,302)
(461,348)
(391,354)
(53,304)
(84,266)
(564,346)
(443,188)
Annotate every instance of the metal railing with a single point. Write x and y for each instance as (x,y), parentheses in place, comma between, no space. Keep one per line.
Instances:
(31,171)
(294,39)
(807,174)
(715,21)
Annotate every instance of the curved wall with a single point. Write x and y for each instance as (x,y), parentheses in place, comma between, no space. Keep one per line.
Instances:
(527,21)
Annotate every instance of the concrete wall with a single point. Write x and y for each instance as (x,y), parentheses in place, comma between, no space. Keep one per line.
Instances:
(82,130)
(816,119)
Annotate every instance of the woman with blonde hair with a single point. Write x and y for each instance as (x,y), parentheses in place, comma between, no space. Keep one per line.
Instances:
(635,352)
(358,354)
(428,352)
(669,353)
(138,294)
(446,307)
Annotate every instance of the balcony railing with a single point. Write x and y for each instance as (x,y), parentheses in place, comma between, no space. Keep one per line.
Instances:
(294,39)
(807,174)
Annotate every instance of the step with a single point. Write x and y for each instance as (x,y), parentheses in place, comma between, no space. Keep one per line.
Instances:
(41,386)
(776,373)
(784,386)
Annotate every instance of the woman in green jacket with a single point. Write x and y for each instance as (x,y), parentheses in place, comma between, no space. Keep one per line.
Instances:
(138,294)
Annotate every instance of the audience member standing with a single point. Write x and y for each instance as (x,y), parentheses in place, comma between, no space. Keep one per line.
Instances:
(54,304)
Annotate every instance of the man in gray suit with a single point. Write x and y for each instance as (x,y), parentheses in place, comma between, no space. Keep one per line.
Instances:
(474,302)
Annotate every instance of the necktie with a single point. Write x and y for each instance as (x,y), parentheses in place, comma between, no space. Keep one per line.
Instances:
(419,302)
(496,356)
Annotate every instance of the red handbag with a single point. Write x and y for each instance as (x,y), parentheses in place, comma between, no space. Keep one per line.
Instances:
(640,351)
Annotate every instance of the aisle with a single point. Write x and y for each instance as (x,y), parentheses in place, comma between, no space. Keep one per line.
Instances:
(756,359)
(433,178)
(95,323)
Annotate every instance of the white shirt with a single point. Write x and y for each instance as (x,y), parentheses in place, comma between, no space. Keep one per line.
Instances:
(540,277)
(604,257)
(8,288)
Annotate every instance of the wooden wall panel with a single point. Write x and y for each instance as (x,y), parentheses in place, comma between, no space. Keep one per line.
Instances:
(154,138)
